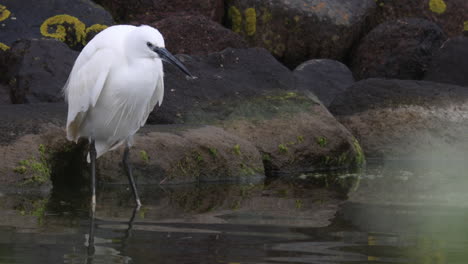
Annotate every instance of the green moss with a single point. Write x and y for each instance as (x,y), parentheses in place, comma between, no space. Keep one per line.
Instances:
(298,203)
(213,152)
(35,208)
(300,139)
(359,158)
(144,156)
(198,157)
(236,149)
(266,157)
(282,148)
(266,16)
(235,16)
(321,141)
(38,168)
(250,21)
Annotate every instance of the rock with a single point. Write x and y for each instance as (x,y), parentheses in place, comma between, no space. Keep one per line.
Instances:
(325,78)
(4,94)
(175,155)
(400,49)
(450,62)
(67,21)
(450,15)
(406,119)
(295,31)
(251,95)
(195,34)
(41,70)
(35,153)
(146,12)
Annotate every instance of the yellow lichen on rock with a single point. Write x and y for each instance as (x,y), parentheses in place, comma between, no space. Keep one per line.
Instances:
(465,26)
(94,29)
(4,13)
(250,21)
(437,6)
(61,23)
(236,19)
(3,46)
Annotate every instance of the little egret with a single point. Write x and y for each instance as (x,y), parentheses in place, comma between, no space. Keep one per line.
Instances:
(114,85)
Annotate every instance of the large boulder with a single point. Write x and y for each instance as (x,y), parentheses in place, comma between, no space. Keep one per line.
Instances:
(196,34)
(295,31)
(325,78)
(450,15)
(36,153)
(40,70)
(73,22)
(450,63)
(405,118)
(250,94)
(400,49)
(146,12)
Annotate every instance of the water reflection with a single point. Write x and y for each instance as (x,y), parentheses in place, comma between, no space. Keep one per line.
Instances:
(276,222)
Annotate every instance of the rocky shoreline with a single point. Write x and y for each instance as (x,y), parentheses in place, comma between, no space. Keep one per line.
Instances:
(283,88)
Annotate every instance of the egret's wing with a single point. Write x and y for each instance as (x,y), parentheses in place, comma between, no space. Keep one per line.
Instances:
(157,98)
(86,81)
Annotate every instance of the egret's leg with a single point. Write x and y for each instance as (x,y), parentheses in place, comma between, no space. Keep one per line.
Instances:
(91,249)
(128,169)
(92,156)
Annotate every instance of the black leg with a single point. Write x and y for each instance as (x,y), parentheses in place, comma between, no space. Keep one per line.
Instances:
(91,249)
(128,169)
(92,156)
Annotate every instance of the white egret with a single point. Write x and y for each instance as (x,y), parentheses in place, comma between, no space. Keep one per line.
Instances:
(115,83)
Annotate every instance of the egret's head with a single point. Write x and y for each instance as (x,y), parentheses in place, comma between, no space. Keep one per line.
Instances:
(150,43)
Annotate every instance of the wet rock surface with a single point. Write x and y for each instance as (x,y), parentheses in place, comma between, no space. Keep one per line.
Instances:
(404,118)
(67,21)
(38,70)
(196,34)
(294,31)
(400,49)
(450,62)
(325,78)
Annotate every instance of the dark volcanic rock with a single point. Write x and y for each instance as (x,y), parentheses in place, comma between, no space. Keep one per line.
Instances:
(68,21)
(4,94)
(400,49)
(295,31)
(450,15)
(403,118)
(325,78)
(41,70)
(146,12)
(450,63)
(194,34)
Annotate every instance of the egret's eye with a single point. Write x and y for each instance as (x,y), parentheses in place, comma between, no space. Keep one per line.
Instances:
(149,44)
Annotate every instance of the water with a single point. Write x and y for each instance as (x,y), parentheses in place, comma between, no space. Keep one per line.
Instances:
(399,213)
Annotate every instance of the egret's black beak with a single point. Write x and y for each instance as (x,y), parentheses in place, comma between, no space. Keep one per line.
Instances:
(165,55)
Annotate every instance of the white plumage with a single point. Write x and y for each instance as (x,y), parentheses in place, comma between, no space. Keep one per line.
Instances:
(114,85)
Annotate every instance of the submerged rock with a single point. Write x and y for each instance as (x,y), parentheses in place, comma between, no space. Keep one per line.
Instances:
(450,63)
(73,22)
(325,78)
(400,49)
(295,31)
(406,119)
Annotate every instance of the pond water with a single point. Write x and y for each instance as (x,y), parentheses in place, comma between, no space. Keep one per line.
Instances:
(396,213)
